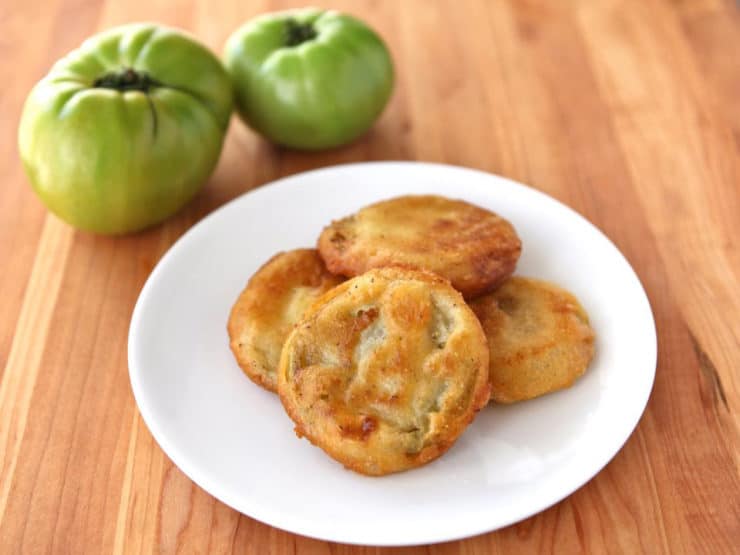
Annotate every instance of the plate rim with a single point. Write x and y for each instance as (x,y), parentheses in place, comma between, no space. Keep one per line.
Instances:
(191,470)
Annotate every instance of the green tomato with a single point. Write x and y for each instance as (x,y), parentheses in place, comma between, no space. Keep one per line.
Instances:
(309,79)
(124,130)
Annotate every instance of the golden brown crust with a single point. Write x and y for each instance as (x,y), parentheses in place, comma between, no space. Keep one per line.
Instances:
(539,337)
(471,247)
(270,305)
(385,371)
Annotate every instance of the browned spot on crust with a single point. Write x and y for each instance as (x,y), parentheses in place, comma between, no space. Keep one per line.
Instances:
(365,318)
(337,241)
(358,431)
(442,224)
(368,426)
(507,303)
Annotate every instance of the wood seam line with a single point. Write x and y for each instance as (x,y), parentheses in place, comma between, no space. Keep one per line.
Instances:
(645,456)
(710,375)
(710,372)
(126,486)
(24,360)
(78,409)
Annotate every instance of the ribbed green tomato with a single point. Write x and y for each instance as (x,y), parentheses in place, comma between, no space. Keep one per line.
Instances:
(309,79)
(124,130)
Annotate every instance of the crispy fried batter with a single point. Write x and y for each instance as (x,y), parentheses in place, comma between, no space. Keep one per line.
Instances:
(539,337)
(473,248)
(385,371)
(270,305)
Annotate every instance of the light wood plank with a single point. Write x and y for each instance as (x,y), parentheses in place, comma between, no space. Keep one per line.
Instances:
(24,361)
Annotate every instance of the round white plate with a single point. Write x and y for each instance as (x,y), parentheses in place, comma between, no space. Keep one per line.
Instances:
(234,439)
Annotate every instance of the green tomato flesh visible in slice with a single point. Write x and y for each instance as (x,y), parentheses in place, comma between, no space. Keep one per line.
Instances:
(123,131)
(309,79)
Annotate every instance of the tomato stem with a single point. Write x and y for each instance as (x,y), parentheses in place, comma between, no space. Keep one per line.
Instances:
(297,33)
(127,79)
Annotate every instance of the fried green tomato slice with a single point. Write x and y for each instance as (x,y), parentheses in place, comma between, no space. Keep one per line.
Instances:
(385,371)
(270,305)
(539,337)
(470,246)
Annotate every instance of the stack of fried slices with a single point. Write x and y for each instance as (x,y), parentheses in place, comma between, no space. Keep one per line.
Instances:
(386,341)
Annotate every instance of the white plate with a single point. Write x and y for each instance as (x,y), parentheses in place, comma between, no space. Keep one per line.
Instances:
(234,440)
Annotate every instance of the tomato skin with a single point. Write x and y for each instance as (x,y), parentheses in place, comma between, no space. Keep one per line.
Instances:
(316,94)
(124,130)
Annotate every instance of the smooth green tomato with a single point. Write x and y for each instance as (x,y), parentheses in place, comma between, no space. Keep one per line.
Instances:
(309,79)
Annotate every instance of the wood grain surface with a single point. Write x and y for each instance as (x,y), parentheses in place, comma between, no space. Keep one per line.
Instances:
(628,111)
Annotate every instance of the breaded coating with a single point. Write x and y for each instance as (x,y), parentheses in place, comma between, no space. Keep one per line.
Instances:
(385,371)
(270,305)
(473,248)
(539,338)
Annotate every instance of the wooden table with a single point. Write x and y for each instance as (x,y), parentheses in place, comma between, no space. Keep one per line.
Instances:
(627,111)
